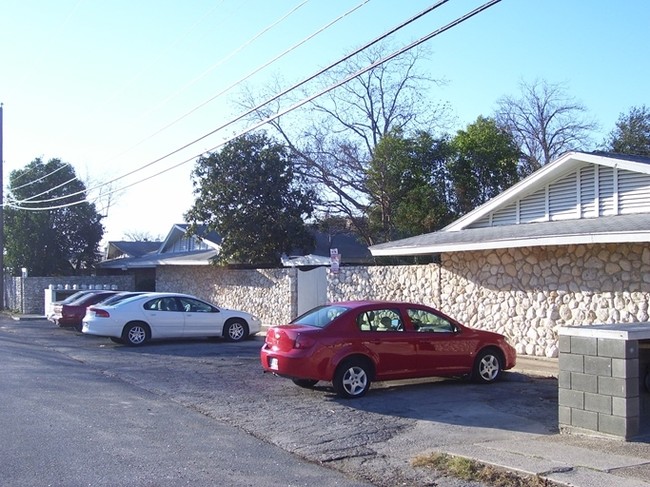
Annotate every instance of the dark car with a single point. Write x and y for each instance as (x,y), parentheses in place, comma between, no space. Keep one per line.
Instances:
(354,343)
(72,313)
(69,299)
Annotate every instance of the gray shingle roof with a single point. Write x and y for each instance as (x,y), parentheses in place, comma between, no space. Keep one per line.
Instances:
(608,229)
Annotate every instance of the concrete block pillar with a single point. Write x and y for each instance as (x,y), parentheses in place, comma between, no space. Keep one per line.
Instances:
(602,373)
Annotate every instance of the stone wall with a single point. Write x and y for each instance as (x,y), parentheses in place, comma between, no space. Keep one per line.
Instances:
(268,293)
(526,294)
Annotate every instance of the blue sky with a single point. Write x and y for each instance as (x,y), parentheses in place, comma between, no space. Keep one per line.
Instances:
(112,86)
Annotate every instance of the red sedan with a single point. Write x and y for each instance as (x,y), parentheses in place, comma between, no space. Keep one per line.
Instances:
(353,343)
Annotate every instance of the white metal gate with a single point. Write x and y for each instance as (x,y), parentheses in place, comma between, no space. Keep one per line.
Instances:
(312,288)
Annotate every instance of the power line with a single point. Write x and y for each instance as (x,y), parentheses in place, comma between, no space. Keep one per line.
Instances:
(221,61)
(249,75)
(277,96)
(297,105)
(41,179)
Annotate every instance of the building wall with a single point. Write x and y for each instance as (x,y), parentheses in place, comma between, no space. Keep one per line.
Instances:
(529,293)
(268,293)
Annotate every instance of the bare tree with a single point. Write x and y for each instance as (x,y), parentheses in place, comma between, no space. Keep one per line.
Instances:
(545,122)
(335,136)
(141,236)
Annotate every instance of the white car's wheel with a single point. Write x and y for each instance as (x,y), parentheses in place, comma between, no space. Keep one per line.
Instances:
(235,330)
(135,334)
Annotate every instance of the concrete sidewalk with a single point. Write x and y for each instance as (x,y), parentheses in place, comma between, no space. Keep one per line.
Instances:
(566,459)
(537,366)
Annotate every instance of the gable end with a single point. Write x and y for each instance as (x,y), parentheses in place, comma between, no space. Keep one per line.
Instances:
(589,191)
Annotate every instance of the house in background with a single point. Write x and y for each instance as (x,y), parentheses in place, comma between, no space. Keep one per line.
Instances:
(347,246)
(568,245)
(142,258)
(181,249)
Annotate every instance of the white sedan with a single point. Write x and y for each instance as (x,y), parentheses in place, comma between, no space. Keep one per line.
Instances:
(149,316)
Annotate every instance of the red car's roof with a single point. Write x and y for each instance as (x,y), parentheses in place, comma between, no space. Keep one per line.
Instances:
(360,303)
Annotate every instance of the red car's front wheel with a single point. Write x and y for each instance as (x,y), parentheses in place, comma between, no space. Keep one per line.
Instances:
(487,367)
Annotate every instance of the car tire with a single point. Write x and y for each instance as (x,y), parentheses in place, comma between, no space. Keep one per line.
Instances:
(488,367)
(305,383)
(135,334)
(352,379)
(235,330)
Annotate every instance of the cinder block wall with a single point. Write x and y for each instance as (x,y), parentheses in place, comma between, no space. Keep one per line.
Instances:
(599,386)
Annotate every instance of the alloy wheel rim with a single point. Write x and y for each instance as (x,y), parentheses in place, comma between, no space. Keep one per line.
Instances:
(136,335)
(236,331)
(355,381)
(489,367)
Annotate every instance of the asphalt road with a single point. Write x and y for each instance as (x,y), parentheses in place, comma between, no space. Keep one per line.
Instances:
(200,412)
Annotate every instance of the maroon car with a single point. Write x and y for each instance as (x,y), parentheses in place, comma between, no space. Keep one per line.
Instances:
(354,343)
(71,314)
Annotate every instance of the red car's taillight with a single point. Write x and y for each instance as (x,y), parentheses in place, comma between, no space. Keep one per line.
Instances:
(303,341)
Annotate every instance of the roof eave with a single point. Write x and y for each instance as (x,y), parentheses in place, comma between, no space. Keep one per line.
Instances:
(604,238)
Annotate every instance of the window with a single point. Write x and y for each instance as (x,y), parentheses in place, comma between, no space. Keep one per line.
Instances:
(321,317)
(425,321)
(380,320)
(162,304)
(195,306)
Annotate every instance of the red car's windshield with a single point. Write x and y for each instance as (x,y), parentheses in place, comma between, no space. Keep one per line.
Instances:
(321,316)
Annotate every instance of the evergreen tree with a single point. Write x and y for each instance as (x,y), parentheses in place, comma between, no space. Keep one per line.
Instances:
(50,228)
(248,194)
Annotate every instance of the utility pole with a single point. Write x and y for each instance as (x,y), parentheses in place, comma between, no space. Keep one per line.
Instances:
(2,224)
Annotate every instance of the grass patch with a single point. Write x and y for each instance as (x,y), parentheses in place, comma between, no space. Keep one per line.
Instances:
(465,469)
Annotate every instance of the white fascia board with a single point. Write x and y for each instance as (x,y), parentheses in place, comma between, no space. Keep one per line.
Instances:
(533,182)
(629,237)
(184,262)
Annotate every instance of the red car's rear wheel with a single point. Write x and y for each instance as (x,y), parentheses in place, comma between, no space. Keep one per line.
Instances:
(352,379)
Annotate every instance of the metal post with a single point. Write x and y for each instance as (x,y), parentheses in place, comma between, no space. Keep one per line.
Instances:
(2,224)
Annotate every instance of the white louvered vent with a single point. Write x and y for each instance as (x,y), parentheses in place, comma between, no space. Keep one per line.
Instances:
(633,192)
(563,198)
(483,222)
(606,191)
(505,216)
(587,192)
(533,207)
